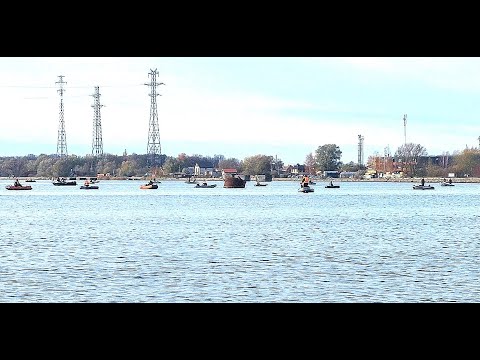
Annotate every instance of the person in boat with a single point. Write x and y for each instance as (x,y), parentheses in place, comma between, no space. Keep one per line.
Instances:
(331,183)
(422,182)
(204,184)
(86,183)
(449,181)
(58,179)
(444,180)
(17,183)
(150,182)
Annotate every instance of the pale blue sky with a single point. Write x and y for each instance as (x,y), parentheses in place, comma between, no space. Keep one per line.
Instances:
(244,106)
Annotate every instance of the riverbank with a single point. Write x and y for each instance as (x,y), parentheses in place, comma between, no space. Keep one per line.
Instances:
(201,179)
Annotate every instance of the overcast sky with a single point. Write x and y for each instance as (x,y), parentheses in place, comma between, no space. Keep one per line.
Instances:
(243,106)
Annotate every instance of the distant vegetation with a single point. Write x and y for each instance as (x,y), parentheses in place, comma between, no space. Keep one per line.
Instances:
(412,159)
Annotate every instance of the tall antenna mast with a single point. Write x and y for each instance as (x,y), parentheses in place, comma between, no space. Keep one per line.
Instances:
(405,128)
(97,142)
(360,149)
(154,149)
(62,136)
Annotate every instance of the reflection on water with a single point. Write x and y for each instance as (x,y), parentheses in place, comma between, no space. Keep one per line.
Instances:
(364,242)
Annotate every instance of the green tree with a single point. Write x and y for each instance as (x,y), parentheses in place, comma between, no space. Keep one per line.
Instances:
(257,164)
(310,164)
(230,163)
(327,157)
(468,162)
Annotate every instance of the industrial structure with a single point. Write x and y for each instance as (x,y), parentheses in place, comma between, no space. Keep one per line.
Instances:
(154,149)
(360,149)
(97,142)
(62,136)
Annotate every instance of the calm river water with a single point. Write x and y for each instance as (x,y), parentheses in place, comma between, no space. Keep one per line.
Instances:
(364,242)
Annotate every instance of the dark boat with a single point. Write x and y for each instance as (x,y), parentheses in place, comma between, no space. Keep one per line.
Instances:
(233,181)
(332,186)
(18,187)
(205,185)
(88,187)
(423,187)
(64,183)
(260,184)
(149,186)
(30,180)
(447,184)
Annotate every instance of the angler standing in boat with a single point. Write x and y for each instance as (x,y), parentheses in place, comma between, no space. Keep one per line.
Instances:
(17,183)
(422,182)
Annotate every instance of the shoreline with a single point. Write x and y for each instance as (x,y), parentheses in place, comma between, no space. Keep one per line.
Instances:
(472,180)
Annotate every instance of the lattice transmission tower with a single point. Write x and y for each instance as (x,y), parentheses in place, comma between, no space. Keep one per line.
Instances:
(360,149)
(62,136)
(154,149)
(97,142)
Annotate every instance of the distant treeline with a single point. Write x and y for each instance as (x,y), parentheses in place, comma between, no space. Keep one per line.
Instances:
(72,165)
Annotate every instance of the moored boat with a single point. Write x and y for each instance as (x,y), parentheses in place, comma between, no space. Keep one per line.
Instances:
(447,184)
(233,181)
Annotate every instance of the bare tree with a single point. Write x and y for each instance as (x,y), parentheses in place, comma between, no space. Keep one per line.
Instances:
(408,155)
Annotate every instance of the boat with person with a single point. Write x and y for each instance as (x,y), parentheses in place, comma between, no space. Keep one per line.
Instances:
(18,187)
(331,186)
(88,187)
(305,189)
(64,182)
(423,187)
(191,180)
(447,184)
(205,186)
(149,186)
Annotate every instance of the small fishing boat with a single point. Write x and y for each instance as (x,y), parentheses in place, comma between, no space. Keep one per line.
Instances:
(30,180)
(191,181)
(332,186)
(260,184)
(18,187)
(305,189)
(63,182)
(423,187)
(205,185)
(447,184)
(149,186)
(88,187)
